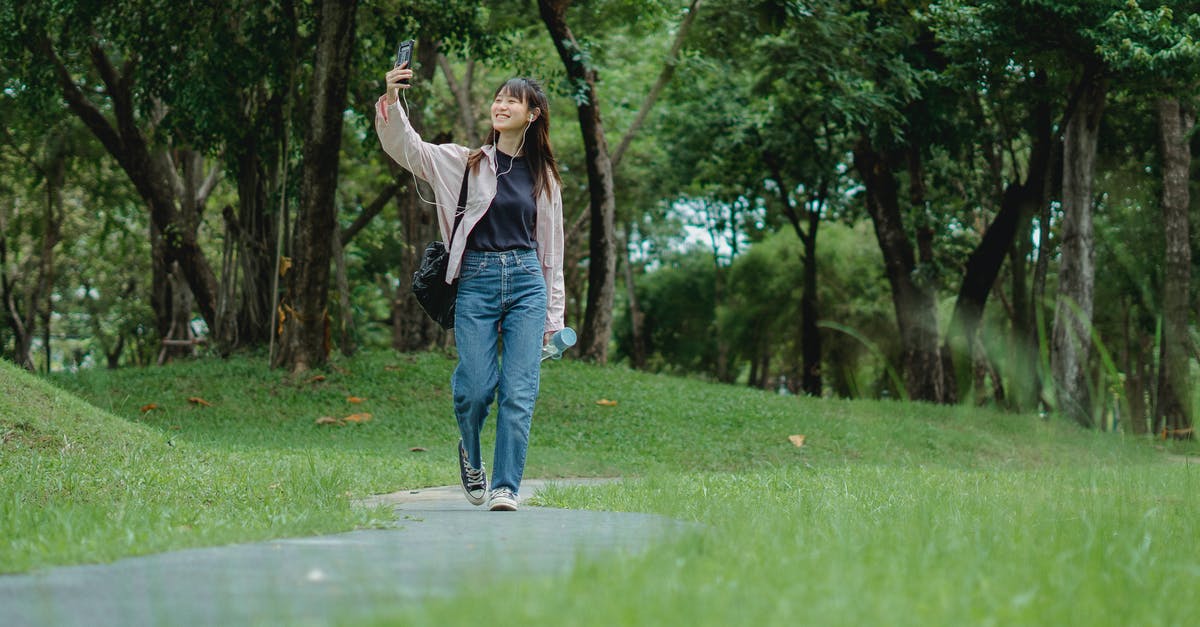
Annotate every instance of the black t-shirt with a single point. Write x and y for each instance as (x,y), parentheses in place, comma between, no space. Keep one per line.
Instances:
(512,217)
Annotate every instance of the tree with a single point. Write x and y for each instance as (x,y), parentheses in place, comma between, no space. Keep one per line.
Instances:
(602,264)
(117,102)
(1071,345)
(1155,50)
(26,288)
(770,131)
(894,141)
(304,344)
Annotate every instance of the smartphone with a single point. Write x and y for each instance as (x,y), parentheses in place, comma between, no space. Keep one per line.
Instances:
(404,55)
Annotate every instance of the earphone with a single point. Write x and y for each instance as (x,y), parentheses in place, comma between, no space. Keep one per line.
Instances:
(404,97)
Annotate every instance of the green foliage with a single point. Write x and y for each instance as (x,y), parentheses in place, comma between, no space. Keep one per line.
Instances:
(761,310)
(767,103)
(678,301)
(1154,45)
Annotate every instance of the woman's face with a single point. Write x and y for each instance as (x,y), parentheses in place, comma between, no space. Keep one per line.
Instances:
(509,113)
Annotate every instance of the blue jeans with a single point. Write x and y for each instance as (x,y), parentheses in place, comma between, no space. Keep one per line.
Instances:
(501,295)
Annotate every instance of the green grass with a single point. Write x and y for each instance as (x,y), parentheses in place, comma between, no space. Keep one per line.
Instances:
(892,513)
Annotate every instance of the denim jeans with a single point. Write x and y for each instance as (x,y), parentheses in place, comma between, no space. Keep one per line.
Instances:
(499,321)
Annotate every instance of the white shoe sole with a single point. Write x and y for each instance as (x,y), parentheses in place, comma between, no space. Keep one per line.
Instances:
(474,500)
(502,505)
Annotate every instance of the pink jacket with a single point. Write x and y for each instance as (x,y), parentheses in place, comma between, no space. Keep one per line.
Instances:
(441,166)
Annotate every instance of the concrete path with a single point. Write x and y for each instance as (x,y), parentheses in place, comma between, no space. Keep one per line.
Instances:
(442,545)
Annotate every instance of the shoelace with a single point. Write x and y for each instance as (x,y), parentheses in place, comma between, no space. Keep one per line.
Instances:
(474,476)
(503,493)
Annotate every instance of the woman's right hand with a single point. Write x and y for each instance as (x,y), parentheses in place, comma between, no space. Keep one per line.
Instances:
(397,74)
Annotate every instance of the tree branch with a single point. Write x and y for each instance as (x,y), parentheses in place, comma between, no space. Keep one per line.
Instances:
(76,101)
(369,212)
(663,78)
(207,186)
(462,94)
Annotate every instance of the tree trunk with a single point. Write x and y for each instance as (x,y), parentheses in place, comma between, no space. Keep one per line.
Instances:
(810,334)
(304,342)
(1018,204)
(7,304)
(1132,365)
(112,358)
(1027,291)
(914,302)
(411,329)
(21,324)
(192,190)
(55,175)
(254,234)
(1023,348)
(637,319)
(179,341)
(1173,411)
(1071,344)
(346,329)
(597,326)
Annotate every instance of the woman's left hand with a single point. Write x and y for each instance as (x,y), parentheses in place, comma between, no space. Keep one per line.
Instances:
(546,337)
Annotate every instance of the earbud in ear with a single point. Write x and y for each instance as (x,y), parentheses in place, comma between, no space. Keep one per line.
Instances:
(530,117)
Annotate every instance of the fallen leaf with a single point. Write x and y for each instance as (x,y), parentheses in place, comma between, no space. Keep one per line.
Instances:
(355,399)
(418,449)
(798,440)
(393,368)
(358,418)
(196,400)
(149,406)
(317,379)
(328,420)
(606,403)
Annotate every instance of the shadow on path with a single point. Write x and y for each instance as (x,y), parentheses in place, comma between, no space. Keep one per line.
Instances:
(442,546)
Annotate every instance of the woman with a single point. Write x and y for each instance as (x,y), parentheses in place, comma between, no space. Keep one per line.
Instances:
(507,254)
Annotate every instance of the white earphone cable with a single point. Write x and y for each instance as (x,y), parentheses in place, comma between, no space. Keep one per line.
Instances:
(408,162)
(520,145)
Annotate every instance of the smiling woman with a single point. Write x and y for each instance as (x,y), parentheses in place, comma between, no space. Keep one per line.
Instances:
(507,258)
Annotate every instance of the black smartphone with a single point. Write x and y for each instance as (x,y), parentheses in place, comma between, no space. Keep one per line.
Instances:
(404,55)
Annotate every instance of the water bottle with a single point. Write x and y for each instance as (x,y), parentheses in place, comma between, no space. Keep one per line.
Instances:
(559,343)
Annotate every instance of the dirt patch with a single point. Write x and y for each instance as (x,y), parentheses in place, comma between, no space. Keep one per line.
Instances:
(1184,459)
(23,434)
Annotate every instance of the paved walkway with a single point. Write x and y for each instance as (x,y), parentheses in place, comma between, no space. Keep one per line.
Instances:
(442,545)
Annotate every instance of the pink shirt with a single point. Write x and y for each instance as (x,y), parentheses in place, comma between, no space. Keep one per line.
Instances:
(442,165)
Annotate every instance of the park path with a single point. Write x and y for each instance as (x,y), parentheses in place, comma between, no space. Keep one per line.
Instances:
(442,546)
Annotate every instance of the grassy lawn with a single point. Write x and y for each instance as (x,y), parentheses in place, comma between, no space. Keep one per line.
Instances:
(890,513)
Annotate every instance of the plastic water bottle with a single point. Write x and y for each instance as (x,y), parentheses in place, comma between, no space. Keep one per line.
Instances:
(559,343)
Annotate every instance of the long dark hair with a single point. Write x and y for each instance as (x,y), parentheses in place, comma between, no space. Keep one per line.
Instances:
(542,164)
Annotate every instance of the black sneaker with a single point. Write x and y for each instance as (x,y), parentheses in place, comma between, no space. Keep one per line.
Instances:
(474,480)
(503,500)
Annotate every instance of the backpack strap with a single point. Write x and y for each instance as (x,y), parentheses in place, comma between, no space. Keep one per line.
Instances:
(462,205)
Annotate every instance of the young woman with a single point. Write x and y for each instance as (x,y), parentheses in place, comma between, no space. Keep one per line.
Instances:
(507,254)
